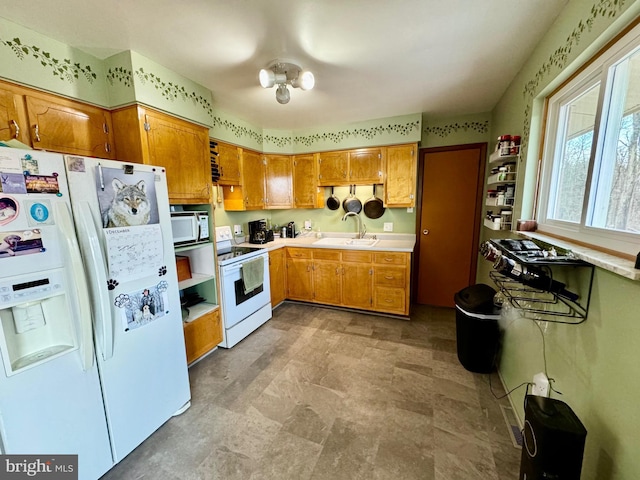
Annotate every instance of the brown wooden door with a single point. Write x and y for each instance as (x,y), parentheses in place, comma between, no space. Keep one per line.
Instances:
(277,277)
(279,185)
(449,221)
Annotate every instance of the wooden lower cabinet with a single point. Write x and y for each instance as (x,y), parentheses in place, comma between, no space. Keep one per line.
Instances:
(357,274)
(277,276)
(376,281)
(202,334)
(391,277)
(299,274)
(327,277)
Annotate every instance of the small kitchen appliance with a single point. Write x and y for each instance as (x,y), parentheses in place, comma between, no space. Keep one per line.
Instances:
(291,230)
(258,232)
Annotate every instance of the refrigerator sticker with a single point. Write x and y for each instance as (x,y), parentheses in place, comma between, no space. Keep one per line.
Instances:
(134,252)
(42,183)
(25,242)
(142,307)
(10,164)
(75,164)
(30,165)
(39,213)
(12,183)
(127,200)
(9,209)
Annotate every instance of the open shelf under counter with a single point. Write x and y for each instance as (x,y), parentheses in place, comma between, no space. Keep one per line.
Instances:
(192,246)
(200,309)
(196,279)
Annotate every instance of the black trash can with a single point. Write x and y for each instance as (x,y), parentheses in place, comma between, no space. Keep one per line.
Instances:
(477,331)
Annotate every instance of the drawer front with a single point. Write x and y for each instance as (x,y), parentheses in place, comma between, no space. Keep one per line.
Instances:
(353,256)
(326,254)
(202,335)
(389,258)
(390,276)
(390,299)
(293,252)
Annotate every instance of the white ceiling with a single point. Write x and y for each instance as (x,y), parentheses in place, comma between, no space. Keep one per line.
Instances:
(371,58)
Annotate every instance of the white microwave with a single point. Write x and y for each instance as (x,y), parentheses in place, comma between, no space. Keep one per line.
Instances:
(189,227)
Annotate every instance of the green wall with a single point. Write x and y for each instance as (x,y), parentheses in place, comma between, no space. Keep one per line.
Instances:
(596,364)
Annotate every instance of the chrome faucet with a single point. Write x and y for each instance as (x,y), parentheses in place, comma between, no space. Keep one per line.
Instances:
(362,230)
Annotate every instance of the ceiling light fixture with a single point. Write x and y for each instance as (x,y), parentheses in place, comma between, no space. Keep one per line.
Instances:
(283,73)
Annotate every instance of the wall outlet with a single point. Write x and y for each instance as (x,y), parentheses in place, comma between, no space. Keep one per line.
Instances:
(307,224)
(540,385)
(409,209)
(388,226)
(237,229)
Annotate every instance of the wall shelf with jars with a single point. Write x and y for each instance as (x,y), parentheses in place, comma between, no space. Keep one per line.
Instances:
(501,183)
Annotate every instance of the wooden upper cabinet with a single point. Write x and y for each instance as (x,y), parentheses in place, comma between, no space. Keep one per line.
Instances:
(306,193)
(400,184)
(333,168)
(229,162)
(278,181)
(13,121)
(253,180)
(361,166)
(146,136)
(365,166)
(65,126)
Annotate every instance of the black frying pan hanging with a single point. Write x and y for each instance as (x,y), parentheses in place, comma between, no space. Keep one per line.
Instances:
(351,203)
(374,207)
(333,203)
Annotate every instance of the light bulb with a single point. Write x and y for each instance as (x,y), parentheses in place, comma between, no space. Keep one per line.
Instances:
(267,78)
(282,94)
(306,80)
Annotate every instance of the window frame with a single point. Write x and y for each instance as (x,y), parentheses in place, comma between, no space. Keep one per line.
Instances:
(598,70)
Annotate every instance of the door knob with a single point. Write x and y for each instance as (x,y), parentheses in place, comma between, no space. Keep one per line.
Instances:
(425,232)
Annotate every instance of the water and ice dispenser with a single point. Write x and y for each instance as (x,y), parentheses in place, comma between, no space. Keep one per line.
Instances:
(36,320)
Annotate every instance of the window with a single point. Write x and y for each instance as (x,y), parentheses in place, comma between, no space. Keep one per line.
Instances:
(591,165)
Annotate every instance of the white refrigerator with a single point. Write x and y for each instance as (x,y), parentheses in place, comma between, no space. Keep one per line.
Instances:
(91,341)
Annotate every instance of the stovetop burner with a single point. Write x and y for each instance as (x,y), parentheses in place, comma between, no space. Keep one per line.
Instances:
(231,254)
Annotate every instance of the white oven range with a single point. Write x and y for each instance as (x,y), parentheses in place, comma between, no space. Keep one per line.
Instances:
(242,313)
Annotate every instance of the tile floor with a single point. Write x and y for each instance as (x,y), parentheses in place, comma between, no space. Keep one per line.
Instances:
(318,394)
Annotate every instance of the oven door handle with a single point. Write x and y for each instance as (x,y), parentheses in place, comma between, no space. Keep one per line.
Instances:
(228,269)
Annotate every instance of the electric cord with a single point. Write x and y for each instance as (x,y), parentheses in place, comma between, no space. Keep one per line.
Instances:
(510,391)
(544,359)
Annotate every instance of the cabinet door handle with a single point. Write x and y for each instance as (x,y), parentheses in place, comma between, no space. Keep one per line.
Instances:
(389,277)
(16,127)
(337,270)
(36,132)
(107,148)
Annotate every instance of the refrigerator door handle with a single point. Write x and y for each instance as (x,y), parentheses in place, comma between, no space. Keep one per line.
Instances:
(98,272)
(82,299)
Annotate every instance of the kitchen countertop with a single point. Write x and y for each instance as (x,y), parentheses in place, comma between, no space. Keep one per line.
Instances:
(389,242)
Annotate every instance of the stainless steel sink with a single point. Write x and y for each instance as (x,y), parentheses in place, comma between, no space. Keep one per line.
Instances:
(348,242)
